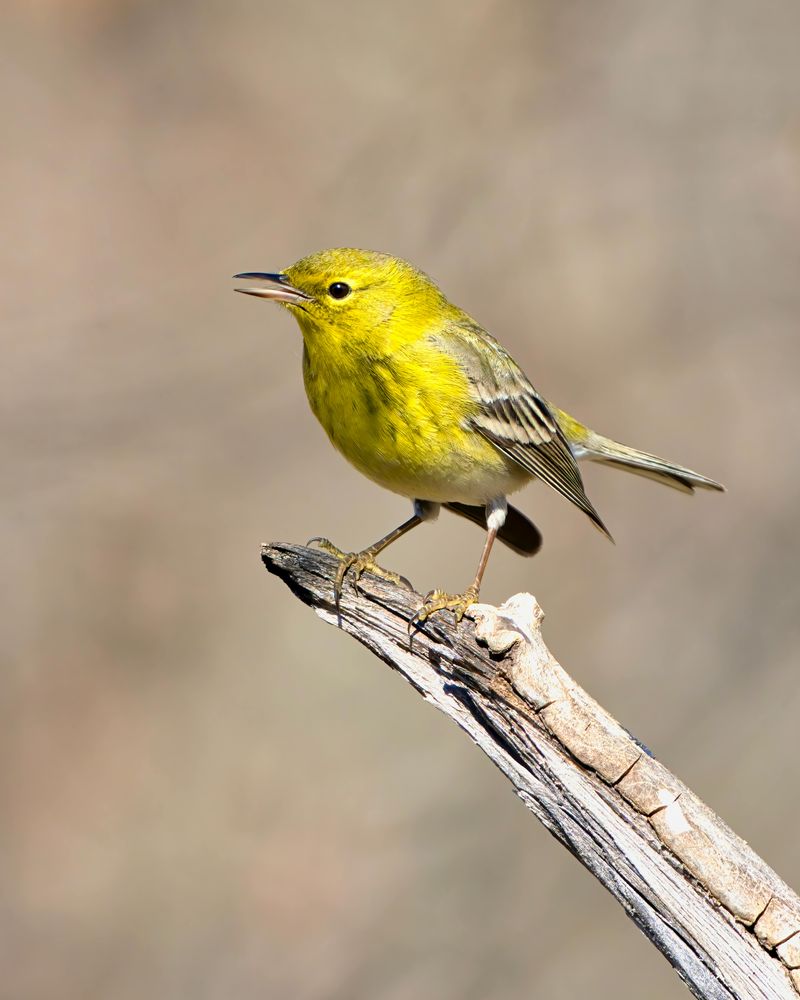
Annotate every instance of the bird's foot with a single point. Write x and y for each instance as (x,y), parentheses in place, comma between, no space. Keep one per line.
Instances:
(438,600)
(358,563)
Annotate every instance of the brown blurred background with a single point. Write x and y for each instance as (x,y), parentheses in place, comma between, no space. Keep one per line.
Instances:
(207,793)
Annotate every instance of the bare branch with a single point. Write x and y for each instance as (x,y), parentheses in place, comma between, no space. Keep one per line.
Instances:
(720,915)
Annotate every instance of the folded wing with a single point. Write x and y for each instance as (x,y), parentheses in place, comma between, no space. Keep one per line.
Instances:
(514,417)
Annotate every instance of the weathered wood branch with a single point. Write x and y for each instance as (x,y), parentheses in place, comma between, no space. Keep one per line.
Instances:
(720,915)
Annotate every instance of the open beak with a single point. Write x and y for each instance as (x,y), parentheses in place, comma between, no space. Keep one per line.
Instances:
(276,287)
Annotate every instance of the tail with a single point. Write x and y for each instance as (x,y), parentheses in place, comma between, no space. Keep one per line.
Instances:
(517,532)
(586,443)
(601,449)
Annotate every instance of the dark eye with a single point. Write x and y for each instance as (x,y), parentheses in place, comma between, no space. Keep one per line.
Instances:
(339,290)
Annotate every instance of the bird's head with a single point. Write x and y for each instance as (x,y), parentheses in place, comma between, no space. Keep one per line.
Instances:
(351,293)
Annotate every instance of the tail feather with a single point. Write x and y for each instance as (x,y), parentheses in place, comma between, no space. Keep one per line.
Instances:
(601,449)
(518,532)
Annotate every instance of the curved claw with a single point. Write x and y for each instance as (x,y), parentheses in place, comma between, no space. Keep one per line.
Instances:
(326,545)
(399,579)
(346,561)
(360,563)
(364,562)
(415,621)
(438,600)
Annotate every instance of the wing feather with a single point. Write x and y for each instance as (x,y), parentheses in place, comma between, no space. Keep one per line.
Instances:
(514,417)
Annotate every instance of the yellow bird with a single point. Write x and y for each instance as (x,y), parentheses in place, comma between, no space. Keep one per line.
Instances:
(422,400)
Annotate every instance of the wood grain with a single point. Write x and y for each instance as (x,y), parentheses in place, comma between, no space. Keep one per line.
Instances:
(721,916)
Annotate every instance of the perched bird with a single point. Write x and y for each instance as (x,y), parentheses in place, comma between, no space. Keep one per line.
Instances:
(422,400)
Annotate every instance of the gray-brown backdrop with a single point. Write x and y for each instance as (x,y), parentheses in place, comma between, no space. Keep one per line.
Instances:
(205,792)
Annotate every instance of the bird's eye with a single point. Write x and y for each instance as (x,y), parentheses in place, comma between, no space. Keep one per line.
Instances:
(339,290)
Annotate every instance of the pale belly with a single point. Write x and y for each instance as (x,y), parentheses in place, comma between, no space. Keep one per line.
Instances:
(476,486)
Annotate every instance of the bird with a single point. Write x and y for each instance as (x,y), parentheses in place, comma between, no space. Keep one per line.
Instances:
(423,401)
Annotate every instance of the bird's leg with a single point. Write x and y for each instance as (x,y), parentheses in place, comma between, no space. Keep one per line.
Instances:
(438,600)
(364,562)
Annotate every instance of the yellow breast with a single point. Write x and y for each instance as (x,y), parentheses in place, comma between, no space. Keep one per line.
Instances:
(400,417)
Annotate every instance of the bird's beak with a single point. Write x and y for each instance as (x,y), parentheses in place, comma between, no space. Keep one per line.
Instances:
(276,287)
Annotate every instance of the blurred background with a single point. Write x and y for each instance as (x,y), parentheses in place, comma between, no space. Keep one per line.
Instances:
(205,791)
